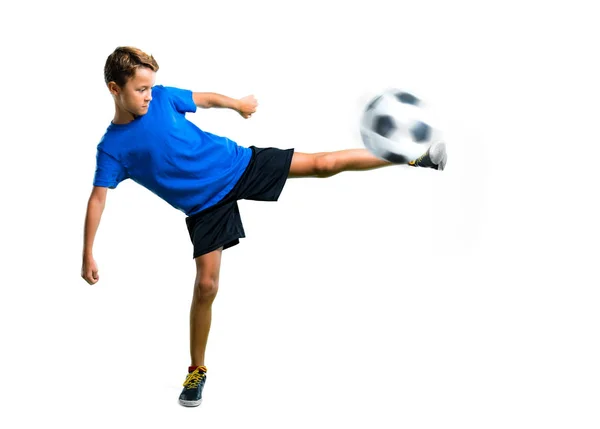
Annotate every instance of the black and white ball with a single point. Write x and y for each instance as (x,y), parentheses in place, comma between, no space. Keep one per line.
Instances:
(398,126)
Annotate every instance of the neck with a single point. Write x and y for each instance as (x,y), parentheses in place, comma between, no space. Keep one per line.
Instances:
(123,116)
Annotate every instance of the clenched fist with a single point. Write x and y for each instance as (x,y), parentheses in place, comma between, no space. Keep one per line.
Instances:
(247,106)
(89,271)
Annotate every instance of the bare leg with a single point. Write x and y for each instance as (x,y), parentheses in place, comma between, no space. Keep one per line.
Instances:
(205,290)
(323,164)
(326,164)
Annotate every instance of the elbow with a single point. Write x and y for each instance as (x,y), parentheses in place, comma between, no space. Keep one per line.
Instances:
(209,101)
(96,203)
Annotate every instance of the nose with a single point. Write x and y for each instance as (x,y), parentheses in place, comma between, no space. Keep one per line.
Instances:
(148,97)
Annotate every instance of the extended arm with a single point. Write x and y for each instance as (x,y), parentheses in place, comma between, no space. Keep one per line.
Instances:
(95,207)
(244,106)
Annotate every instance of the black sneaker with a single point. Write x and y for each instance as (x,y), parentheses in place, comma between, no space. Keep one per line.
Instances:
(435,157)
(191,396)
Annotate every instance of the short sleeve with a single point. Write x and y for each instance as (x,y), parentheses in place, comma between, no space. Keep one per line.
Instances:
(182,99)
(109,171)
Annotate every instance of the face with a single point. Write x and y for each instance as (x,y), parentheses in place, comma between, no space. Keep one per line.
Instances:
(136,95)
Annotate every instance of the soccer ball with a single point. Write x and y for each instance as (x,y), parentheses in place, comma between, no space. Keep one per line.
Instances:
(398,126)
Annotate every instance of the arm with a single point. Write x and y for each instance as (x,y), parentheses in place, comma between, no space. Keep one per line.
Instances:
(95,207)
(244,106)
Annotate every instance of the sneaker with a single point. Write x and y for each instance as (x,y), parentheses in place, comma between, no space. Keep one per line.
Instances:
(191,396)
(435,157)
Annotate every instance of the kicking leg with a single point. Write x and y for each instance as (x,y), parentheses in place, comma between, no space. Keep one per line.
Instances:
(205,290)
(326,164)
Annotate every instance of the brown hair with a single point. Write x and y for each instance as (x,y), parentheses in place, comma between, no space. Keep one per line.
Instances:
(124,61)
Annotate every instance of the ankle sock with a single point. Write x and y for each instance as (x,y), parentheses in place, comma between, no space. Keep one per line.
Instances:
(193,368)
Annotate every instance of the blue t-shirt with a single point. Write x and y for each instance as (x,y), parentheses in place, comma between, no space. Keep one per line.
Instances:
(164,152)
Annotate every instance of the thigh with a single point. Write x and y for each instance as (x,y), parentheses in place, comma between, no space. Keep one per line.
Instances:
(218,226)
(266,175)
(303,165)
(208,265)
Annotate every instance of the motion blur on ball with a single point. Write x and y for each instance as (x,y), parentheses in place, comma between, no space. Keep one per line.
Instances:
(398,126)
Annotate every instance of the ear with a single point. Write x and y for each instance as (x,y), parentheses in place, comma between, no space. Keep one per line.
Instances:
(114,88)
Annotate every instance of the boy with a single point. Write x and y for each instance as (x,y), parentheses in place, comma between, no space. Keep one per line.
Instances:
(150,141)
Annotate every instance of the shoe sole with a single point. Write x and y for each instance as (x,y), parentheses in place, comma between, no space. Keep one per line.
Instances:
(190,403)
(438,155)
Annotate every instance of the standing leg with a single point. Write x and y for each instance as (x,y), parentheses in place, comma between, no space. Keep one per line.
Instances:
(205,290)
(326,164)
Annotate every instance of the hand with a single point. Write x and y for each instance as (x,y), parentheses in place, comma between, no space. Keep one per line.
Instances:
(247,106)
(89,271)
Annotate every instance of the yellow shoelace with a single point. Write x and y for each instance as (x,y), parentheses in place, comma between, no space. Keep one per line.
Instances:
(419,159)
(193,379)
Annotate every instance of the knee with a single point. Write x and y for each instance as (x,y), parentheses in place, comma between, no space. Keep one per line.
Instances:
(325,165)
(205,288)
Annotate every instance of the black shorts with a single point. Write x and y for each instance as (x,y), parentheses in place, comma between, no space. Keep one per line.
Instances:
(221,224)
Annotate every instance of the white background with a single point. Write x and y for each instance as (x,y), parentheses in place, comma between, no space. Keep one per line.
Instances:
(396,298)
